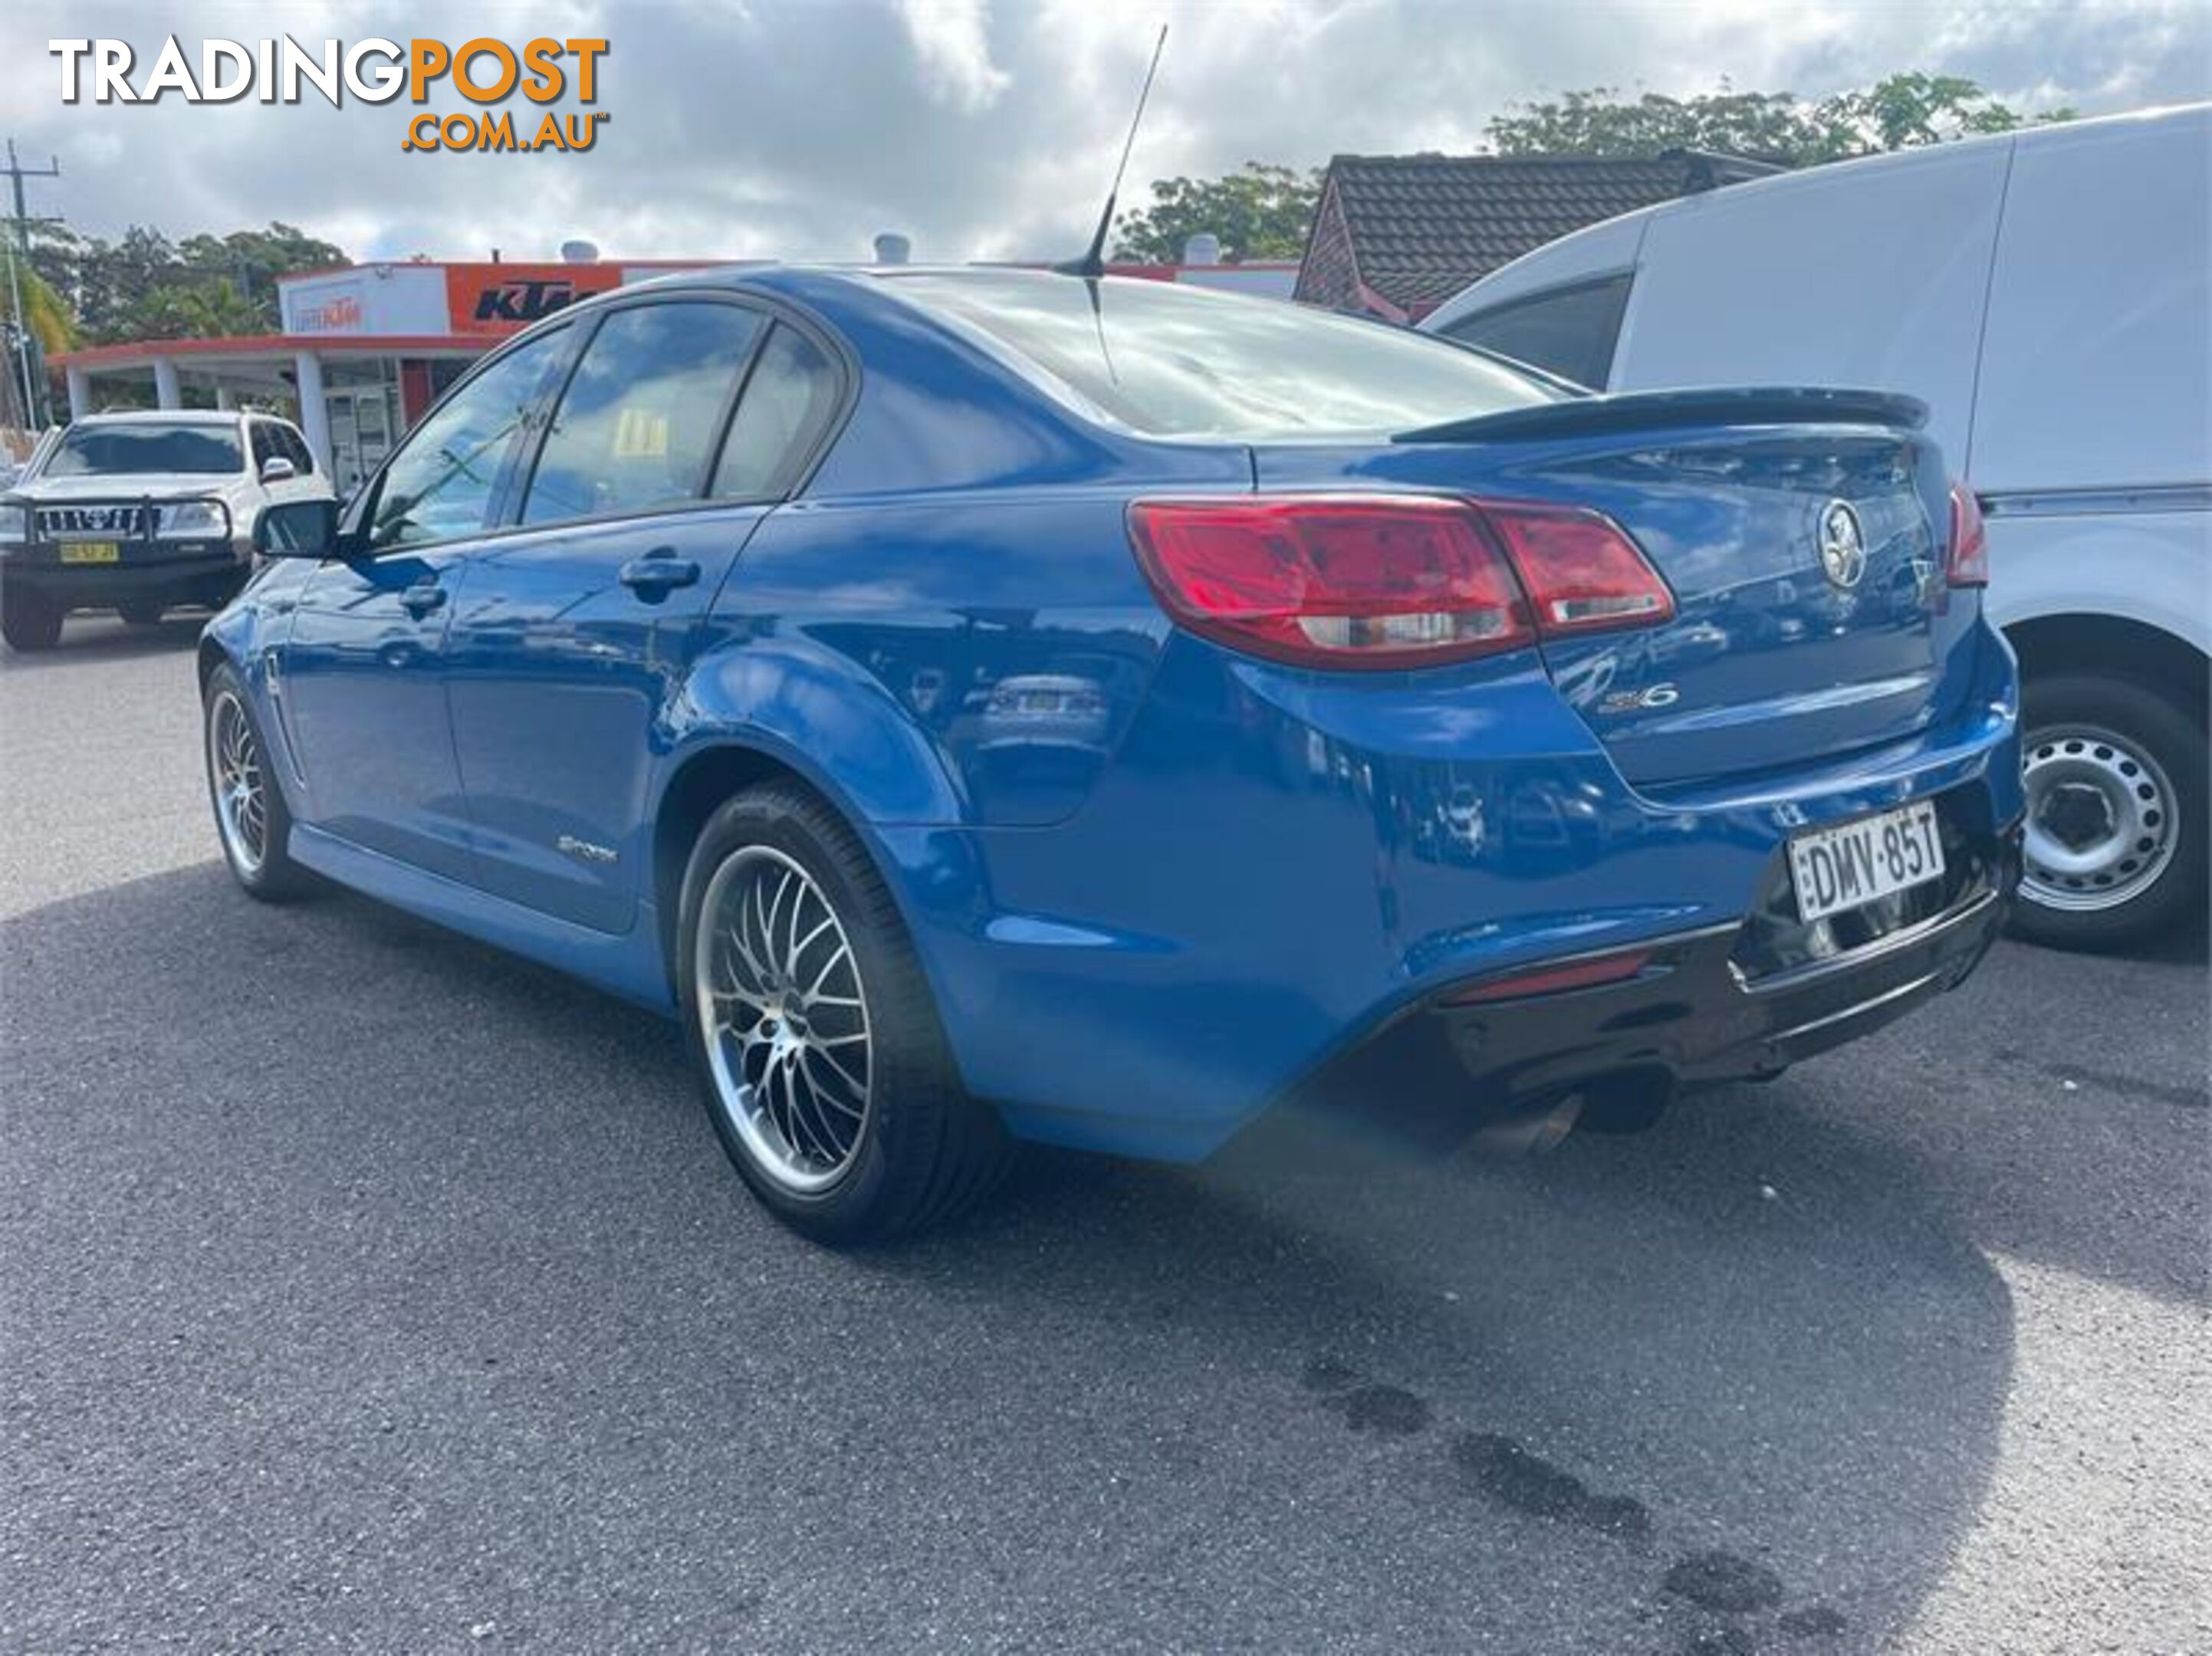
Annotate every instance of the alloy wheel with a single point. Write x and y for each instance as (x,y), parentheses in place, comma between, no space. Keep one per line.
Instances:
(784,1014)
(242,803)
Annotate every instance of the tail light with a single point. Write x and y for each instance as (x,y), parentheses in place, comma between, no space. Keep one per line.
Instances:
(1333,580)
(1589,973)
(1969,562)
(1582,573)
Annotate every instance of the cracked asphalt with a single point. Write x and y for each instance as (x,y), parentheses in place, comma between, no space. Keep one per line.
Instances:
(361,1289)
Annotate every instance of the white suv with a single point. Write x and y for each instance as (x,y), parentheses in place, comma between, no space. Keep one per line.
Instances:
(2045,293)
(142,513)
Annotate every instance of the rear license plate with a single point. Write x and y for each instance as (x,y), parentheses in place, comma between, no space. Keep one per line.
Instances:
(1841,868)
(92,552)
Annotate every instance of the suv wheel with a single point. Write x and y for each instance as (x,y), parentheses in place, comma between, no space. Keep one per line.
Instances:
(2116,780)
(816,1042)
(29,619)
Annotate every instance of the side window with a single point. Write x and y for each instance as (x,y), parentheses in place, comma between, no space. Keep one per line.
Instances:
(294,448)
(1569,331)
(635,426)
(789,396)
(440,483)
(266,447)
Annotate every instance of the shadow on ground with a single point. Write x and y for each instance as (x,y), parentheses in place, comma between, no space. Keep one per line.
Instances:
(95,638)
(366,1286)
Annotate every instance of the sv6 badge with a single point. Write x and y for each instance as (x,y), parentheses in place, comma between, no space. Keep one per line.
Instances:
(1629,701)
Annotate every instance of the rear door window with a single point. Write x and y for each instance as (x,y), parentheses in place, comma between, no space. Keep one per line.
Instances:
(636,424)
(1570,331)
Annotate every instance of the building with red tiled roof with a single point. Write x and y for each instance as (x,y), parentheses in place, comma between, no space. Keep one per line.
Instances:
(1395,236)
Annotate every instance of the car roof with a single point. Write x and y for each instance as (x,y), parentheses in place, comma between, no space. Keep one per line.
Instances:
(777,277)
(838,293)
(165,416)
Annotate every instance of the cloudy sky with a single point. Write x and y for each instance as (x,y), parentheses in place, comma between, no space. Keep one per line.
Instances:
(797,128)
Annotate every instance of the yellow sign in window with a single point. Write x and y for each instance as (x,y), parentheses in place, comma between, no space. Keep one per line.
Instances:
(641,434)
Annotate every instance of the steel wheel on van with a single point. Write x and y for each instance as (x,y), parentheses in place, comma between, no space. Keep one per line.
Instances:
(2115,845)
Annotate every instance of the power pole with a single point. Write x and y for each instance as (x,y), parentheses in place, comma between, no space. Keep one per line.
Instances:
(19,252)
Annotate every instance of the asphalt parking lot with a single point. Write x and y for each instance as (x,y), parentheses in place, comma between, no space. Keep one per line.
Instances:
(361,1289)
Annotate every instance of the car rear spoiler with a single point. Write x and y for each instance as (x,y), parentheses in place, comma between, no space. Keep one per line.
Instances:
(1657,411)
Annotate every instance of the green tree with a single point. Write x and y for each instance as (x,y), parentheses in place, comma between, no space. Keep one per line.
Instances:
(1894,113)
(199,310)
(1911,109)
(143,285)
(44,314)
(1600,122)
(41,328)
(1258,211)
(104,281)
(250,261)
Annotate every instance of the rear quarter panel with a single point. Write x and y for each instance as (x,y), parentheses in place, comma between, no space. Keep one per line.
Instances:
(890,641)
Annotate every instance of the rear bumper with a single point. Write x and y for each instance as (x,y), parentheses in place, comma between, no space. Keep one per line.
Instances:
(1700,1012)
(1693,1016)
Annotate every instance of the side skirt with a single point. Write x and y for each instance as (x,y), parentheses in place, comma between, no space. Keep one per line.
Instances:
(627,965)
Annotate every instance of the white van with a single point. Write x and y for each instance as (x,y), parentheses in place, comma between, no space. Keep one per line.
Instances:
(2045,293)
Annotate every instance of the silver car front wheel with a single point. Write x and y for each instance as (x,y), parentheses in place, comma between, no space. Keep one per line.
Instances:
(251,819)
(241,800)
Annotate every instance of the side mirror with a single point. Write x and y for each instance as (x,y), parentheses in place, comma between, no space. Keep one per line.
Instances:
(298,529)
(278,469)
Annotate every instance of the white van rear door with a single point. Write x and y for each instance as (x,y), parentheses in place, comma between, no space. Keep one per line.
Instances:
(1865,274)
(2093,366)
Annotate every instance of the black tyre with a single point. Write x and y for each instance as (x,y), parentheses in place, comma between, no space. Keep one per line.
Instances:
(29,619)
(813,1033)
(250,816)
(2116,850)
(140,614)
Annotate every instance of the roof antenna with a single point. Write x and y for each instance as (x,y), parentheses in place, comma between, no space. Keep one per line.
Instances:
(1092,264)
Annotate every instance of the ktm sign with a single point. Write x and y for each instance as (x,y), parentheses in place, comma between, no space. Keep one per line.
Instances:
(522,301)
(501,298)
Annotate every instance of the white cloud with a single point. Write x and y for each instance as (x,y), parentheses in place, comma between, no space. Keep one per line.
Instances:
(951,42)
(798,127)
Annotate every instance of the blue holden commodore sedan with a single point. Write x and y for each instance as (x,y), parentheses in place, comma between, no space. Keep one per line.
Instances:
(987,706)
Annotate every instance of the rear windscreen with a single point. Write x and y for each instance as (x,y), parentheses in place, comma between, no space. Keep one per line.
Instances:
(124,450)
(1173,361)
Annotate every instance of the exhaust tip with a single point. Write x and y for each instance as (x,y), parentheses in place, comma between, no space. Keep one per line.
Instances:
(1531,1133)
